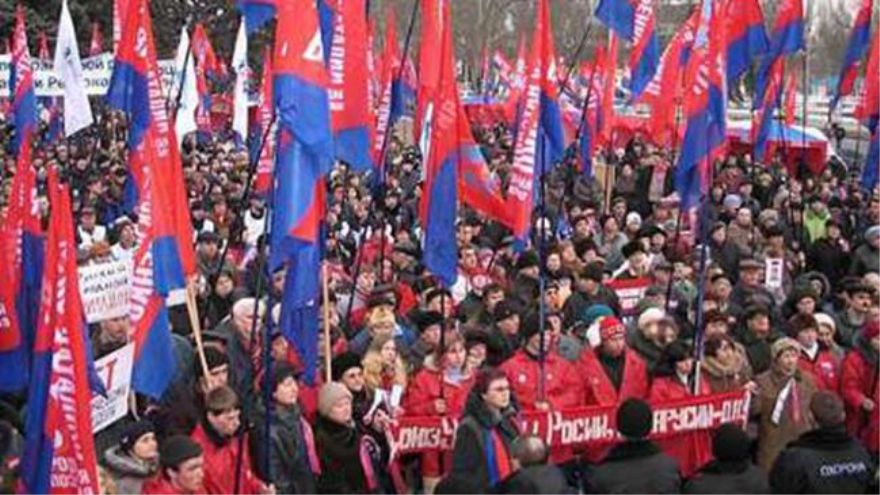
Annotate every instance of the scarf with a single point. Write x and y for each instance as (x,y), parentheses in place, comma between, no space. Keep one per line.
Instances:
(497,459)
(791,389)
(308,444)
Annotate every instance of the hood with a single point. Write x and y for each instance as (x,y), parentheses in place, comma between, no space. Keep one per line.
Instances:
(125,464)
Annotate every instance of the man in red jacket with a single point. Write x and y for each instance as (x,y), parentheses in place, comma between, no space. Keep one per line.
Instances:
(217,434)
(815,358)
(182,468)
(613,372)
(860,386)
(562,387)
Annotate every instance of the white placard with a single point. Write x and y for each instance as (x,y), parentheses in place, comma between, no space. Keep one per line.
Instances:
(105,289)
(114,370)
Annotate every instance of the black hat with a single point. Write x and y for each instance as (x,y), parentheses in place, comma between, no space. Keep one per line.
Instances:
(730,443)
(528,259)
(503,310)
(427,319)
(213,357)
(635,419)
(633,247)
(209,237)
(133,431)
(177,450)
(530,326)
(281,372)
(593,272)
(343,363)
(379,299)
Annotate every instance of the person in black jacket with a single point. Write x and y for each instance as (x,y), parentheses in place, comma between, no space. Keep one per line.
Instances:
(637,465)
(533,474)
(484,436)
(292,460)
(732,470)
(825,460)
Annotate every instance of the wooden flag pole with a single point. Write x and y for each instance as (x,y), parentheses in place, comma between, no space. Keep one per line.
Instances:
(193,311)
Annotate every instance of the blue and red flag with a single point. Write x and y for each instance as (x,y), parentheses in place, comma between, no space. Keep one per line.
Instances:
(164,237)
(705,106)
(59,453)
(305,156)
(787,38)
(207,68)
(24,105)
(24,238)
(539,138)
(859,42)
(633,20)
(450,146)
(765,114)
(265,118)
(257,12)
(51,106)
(868,111)
(517,84)
(350,85)
(591,126)
(746,36)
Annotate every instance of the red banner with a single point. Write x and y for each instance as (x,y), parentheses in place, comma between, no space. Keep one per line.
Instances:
(581,427)
(630,292)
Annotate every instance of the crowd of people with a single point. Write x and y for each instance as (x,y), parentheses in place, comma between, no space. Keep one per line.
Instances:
(776,278)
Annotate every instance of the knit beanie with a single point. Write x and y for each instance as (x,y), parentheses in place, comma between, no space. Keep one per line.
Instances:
(134,431)
(177,450)
(635,419)
(611,327)
(330,394)
(730,443)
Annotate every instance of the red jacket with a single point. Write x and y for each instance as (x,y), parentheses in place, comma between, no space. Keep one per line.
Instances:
(220,465)
(598,387)
(824,370)
(692,450)
(564,388)
(858,382)
(160,485)
(425,389)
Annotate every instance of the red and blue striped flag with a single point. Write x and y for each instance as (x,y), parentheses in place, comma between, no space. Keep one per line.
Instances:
(164,236)
(633,20)
(787,38)
(859,42)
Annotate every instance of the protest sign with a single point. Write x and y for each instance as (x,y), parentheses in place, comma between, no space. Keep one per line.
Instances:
(114,370)
(579,428)
(105,289)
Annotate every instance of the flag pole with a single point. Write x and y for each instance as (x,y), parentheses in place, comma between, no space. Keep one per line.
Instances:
(542,305)
(328,348)
(806,90)
(382,156)
(192,311)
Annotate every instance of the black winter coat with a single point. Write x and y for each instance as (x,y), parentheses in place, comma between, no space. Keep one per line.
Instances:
(635,467)
(826,460)
(339,448)
(288,458)
(469,455)
(546,478)
(728,477)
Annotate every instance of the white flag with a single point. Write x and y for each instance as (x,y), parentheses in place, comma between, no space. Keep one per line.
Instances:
(242,74)
(77,112)
(185,68)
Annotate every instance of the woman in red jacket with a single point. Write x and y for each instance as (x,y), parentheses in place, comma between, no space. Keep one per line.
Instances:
(440,389)
(859,386)
(815,358)
(673,381)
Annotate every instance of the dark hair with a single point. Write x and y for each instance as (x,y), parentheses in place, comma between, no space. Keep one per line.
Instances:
(713,344)
(486,377)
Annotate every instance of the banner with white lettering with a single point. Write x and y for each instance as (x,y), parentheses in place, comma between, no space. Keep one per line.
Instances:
(581,427)
(114,370)
(105,289)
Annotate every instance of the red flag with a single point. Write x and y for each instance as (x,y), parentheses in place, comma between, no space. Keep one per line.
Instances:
(429,65)
(609,83)
(97,44)
(789,101)
(869,105)
(120,10)
(43,43)
(665,91)
(206,66)
(390,67)
(68,414)
(266,161)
